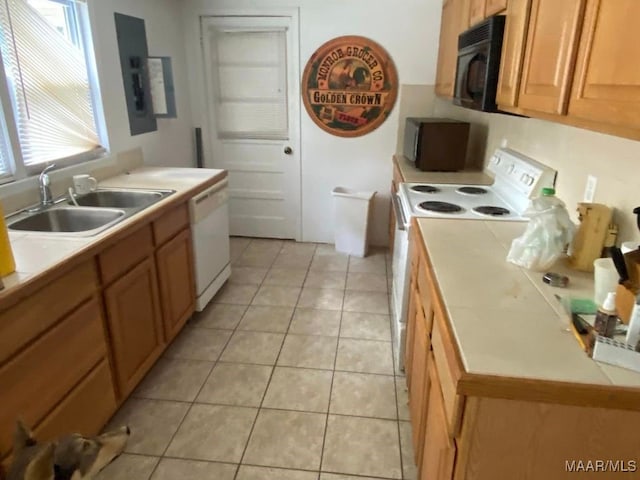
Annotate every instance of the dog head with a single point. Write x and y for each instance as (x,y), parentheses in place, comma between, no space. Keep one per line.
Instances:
(72,457)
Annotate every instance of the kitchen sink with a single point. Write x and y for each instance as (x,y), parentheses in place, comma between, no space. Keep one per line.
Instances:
(120,198)
(96,211)
(68,219)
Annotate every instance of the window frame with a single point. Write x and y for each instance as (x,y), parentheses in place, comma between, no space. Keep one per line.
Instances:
(18,170)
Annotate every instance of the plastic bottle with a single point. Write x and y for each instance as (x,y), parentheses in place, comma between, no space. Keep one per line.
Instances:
(633,332)
(7,262)
(606,317)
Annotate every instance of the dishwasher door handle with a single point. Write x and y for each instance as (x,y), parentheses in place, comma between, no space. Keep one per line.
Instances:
(401,221)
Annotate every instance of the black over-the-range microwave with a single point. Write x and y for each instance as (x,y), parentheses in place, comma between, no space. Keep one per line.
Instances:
(479,50)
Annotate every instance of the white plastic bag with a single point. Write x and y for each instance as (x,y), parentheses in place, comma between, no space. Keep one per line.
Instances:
(548,233)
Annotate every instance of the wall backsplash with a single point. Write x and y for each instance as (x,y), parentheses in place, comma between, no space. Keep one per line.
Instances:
(575,153)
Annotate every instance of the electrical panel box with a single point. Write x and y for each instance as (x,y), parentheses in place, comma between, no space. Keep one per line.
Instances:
(132,44)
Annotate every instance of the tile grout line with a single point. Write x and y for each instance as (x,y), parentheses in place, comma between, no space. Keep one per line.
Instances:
(333,373)
(273,369)
(395,384)
(192,403)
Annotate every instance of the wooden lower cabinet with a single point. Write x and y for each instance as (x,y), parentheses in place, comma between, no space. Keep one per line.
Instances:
(135,324)
(41,375)
(86,409)
(419,391)
(177,288)
(439,449)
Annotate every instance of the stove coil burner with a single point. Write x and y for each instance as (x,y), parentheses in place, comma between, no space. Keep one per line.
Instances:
(440,207)
(472,190)
(491,211)
(425,189)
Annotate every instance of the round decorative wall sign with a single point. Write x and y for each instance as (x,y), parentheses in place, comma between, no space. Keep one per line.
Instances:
(349,86)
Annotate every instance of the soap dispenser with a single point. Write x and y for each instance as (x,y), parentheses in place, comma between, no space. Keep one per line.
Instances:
(606,317)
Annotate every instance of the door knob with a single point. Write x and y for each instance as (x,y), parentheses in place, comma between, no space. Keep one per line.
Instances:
(288,150)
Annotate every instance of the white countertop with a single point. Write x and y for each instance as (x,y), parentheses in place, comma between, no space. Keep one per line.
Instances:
(411,174)
(37,253)
(507,322)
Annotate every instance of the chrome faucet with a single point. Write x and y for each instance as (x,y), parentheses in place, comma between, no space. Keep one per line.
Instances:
(44,183)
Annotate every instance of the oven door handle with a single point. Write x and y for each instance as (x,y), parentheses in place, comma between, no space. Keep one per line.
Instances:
(401,221)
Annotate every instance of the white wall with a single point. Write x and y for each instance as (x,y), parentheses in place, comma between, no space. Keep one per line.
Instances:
(574,152)
(171,144)
(408,30)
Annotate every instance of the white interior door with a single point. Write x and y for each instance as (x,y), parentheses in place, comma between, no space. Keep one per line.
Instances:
(253,104)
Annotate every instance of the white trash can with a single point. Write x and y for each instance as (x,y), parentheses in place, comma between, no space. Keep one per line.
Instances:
(351,220)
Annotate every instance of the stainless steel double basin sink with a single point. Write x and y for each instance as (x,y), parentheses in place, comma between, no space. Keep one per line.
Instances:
(89,215)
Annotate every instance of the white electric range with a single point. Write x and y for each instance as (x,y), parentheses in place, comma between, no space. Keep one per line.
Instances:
(517,178)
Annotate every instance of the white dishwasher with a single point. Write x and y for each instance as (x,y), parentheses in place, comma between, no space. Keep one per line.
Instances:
(209,213)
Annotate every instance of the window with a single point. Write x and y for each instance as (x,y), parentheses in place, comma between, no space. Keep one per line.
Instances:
(250,74)
(47,82)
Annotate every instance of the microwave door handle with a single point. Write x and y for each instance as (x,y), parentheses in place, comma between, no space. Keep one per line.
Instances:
(400,219)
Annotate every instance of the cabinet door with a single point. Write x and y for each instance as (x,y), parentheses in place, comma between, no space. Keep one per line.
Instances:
(515,33)
(552,43)
(476,11)
(135,324)
(419,391)
(439,450)
(411,324)
(495,6)
(175,275)
(447,51)
(606,84)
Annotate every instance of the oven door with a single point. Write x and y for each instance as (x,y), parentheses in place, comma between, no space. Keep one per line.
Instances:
(400,280)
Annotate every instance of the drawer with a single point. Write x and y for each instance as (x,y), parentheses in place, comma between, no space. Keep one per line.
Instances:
(39,377)
(28,319)
(128,252)
(85,410)
(170,224)
(449,368)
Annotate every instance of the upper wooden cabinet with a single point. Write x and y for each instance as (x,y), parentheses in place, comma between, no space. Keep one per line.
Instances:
(495,6)
(481,9)
(476,11)
(606,84)
(515,32)
(447,51)
(552,43)
(455,19)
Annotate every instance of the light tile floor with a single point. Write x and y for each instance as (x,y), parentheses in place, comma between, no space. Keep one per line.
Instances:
(287,375)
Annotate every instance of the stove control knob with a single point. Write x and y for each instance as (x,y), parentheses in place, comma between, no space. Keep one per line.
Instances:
(530,180)
(511,168)
(497,159)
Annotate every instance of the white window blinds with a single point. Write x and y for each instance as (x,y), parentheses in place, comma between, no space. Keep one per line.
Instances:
(5,165)
(250,79)
(47,78)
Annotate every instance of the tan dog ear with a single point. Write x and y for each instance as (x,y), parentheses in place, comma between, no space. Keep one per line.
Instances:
(41,466)
(23,437)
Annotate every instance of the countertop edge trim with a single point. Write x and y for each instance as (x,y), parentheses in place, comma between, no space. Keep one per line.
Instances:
(549,391)
(14,295)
